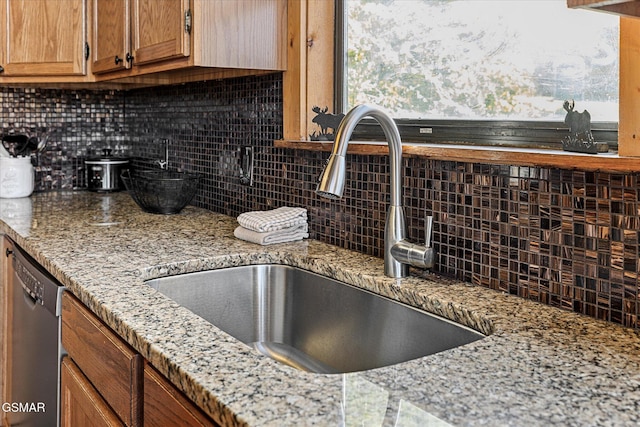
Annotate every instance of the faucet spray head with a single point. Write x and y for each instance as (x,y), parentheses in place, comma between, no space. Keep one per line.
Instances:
(331,183)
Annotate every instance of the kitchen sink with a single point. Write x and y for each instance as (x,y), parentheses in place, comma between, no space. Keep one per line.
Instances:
(312,322)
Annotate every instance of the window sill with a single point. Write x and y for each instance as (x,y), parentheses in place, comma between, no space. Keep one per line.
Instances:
(609,162)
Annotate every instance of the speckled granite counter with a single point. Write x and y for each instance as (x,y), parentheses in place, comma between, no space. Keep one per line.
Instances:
(539,366)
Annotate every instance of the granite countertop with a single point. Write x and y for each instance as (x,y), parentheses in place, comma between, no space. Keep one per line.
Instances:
(538,366)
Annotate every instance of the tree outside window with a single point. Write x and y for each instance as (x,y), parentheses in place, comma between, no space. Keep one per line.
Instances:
(481,60)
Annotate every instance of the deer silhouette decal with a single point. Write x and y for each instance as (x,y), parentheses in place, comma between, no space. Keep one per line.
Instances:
(326,121)
(580,137)
(579,123)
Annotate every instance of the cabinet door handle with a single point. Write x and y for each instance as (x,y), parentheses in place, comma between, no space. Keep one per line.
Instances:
(8,252)
(1,69)
(118,60)
(129,58)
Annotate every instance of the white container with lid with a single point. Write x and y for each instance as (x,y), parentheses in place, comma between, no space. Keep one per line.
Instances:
(17,177)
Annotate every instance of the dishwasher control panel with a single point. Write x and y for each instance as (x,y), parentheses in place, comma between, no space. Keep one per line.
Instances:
(30,283)
(41,287)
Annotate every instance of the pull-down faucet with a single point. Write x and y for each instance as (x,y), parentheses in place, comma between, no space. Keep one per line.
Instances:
(398,252)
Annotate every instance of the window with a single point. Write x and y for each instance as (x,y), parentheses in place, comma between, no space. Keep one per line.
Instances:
(490,72)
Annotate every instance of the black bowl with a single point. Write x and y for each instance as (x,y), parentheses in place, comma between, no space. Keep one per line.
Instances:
(161,191)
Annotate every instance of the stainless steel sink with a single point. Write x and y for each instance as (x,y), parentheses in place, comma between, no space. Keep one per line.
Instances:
(312,322)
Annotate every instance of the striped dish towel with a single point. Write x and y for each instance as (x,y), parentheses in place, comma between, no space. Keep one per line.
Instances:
(275,219)
(290,234)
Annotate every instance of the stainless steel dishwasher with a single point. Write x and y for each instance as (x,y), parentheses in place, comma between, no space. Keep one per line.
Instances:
(34,338)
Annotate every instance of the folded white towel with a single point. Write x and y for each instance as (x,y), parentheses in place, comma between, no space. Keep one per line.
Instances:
(275,219)
(290,234)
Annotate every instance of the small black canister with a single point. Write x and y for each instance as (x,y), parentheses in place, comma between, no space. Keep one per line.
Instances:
(103,172)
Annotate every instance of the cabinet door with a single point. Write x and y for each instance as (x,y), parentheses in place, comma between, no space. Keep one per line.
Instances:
(166,406)
(158,30)
(111,36)
(244,34)
(110,364)
(80,403)
(43,38)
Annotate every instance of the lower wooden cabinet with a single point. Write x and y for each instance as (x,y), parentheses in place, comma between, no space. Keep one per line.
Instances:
(106,383)
(110,364)
(81,403)
(164,405)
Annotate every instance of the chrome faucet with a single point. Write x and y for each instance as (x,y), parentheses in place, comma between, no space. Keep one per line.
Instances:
(398,252)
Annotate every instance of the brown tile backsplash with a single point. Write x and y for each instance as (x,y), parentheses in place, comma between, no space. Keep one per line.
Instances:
(565,238)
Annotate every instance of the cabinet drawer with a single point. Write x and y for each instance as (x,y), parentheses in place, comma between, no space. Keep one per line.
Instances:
(110,364)
(166,406)
(81,403)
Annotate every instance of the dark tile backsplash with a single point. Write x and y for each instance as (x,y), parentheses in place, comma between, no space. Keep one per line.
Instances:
(79,123)
(565,238)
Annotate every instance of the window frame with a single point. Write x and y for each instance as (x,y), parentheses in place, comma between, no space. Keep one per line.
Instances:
(504,133)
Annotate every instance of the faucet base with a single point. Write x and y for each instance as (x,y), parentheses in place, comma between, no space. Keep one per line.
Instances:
(399,253)
(395,231)
(415,255)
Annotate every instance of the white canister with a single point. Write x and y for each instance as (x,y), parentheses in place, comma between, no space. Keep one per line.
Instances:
(17,177)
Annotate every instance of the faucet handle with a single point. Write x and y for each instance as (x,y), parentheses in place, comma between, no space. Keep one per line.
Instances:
(428,230)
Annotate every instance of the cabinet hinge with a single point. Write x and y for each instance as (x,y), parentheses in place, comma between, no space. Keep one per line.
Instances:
(187,21)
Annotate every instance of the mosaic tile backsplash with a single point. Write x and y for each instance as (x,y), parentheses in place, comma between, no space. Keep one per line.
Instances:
(565,238)
(78,124)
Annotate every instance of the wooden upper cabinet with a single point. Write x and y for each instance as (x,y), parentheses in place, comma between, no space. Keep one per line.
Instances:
(127,33)
(190,38)
(42,38)
(248,34)
(161,30)
(147,42)
(619,7)
(110,36)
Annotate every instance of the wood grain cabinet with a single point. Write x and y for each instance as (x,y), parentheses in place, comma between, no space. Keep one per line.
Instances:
(82,404)
(619,7)
(109,364)
(164,405)
(133,38)
(123,43)
(104,380)
(44,40)
(139,31)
